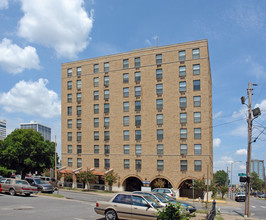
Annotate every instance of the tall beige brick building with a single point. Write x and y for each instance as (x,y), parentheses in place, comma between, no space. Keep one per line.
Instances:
(146,114)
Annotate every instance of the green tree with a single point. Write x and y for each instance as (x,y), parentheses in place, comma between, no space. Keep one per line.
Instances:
(5,172)
(25,150)
(256,183)
(224,190)
(172,211)
(110,178)
(86,177)
(220,177)
(159,183)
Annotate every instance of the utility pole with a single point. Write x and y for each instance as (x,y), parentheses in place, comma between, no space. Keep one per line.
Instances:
(55,165)
(227,184)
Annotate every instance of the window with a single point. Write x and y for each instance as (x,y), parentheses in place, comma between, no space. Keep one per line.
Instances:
(183,133)
(159,149)
(96,81)
(183,149)
(106,149)
(159,119)
(78,84)
(159,134)
(137,62)
(125,92)
(183,117)
(78,110)
(106,163)
(106,122)
(159,104)
(159,74)
(78,123)
(196,69)
(79,149)
(138,164)
(69,110)
(96,68)
(69,123)
(182,86)
(197,148)
(197,133)
(106,108)
(78,71)
(182,55)
(125,78)
(69,72)
(182,71)
(69,85)
(195,53)
(96,135)
(138,149)
(96,122)
(159,164)
(107,135)
(125,64)
(69,97)
(125,106)
(106,81)
(137,91)
(79,135)
(96,149)
(197,165)
(197,117)
(138,135)
(126,163)
(183,165)
(96,163)
(96,95)
(137,105)
(183,102)
(196,101)
(159,59)
(69,162)
(137,76)
(106,94)
(126,135)
(196,85)
(126,149)
(126,120)
(106,67)
(69,136)
(78,97)
(69,149)
(159,89)
(96,108)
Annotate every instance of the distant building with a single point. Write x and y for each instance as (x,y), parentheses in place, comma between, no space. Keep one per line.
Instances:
(2,130)
(44,130)
(257,166)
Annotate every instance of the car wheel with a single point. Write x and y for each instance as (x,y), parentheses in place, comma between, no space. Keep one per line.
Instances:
(27,194)
(12,192)
(110,215)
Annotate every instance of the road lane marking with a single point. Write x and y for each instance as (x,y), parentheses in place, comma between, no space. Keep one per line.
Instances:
(253,206)
(263,207)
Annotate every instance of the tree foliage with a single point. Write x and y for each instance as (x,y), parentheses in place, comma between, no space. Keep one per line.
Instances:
(86,177)
(110,178)
(220,178)
(172,211)
(224,190)
(25,150)
(159,183)
(256,183)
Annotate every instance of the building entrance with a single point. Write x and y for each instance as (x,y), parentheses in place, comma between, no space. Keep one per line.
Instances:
(186,190)
(132,184)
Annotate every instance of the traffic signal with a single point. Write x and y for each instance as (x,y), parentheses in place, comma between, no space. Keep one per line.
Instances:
(244,179)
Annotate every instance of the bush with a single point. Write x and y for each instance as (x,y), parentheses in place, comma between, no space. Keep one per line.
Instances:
(173,212)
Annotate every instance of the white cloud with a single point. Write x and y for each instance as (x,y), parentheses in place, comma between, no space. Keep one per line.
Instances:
(216,142)
(256,68)
(242,167)
(218,114)
(32,98)
(241,131)
(62,24)
(15,59)
(241,152)
(222,163)
(3,4)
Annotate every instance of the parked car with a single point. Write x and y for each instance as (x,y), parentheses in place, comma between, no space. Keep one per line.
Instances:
(15,186)
(261,195)
(49,180)
(168,191)
(40,184)
(128,206)
(241,196)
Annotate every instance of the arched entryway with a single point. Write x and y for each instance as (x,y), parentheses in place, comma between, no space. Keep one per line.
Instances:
(163,183)
(132,184)
(186,190)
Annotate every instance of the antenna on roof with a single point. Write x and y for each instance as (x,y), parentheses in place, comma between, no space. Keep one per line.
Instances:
(156,38)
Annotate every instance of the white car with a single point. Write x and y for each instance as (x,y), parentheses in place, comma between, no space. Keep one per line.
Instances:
(167,191)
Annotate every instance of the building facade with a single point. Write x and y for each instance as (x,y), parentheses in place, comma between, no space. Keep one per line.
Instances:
(146,114)
(42,129)
(2,130)
(257,166)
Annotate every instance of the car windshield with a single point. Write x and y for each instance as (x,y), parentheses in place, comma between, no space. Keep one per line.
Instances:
(39,181)
(152,201)
(168,198)
(161,198)
(22,182)
(241,194)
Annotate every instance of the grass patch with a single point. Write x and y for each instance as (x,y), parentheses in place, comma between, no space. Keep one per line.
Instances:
(218,218)
(202,211)
(53,195)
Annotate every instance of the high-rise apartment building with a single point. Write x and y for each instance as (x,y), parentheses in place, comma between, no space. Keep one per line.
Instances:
(257,166)
(2,130)
(44,130)
(146,114)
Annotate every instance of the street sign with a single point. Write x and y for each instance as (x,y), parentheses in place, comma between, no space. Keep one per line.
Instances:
(242,174)
(146,182)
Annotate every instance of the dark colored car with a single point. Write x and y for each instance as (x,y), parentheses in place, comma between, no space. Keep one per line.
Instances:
(42,186)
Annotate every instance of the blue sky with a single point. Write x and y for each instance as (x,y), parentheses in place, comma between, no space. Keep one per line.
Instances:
(36,36)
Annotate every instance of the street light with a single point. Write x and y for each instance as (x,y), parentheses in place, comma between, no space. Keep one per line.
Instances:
(239,161)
